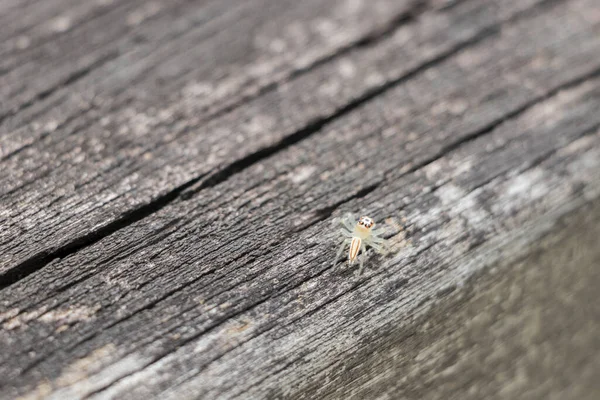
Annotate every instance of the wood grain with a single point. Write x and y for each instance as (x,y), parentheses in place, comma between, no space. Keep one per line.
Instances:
(197,263)
(85,177)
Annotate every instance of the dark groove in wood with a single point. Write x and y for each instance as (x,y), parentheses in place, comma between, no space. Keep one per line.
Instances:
(474,135)
(406,17)
(316,126)
(362,193)
(42,259)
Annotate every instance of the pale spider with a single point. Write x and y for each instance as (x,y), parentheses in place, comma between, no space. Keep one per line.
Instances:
(359,235)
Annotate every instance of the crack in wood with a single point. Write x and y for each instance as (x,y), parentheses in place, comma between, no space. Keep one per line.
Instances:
(370,39)
(179,345)
(567,122)
(324,213)
(402,281)
(137,311)
(190,188)
(38,261)
(42,259)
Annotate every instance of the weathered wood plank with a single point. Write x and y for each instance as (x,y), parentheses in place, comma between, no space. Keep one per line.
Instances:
(259,65)
(356,304)
(159,42)
(419,112)
(232,292)
(115,30)
(84,187)
(526,330)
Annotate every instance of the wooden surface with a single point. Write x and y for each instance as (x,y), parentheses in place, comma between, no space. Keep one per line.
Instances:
(171,174)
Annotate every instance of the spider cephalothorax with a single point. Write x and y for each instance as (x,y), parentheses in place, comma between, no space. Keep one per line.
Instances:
(359,235)
(366,222)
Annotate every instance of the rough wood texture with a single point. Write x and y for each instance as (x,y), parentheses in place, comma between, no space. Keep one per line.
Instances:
(84,178)
(170,190)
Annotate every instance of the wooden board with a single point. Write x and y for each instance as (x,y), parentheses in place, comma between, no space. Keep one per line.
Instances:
(84,175)
(190,254)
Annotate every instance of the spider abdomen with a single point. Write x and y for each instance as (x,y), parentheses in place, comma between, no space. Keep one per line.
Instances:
(354,249)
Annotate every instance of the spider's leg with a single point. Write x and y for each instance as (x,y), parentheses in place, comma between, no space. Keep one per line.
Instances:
(376,246)
(376,239)
(340,251)
(346,233)
(347,222)
(362,258)
(378,232)
(381,247)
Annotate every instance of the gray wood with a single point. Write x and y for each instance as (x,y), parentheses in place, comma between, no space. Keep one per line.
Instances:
(43,153)
(522,330)
(84,186)
(471,131)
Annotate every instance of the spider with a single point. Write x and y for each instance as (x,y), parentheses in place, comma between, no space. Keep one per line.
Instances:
(359,235)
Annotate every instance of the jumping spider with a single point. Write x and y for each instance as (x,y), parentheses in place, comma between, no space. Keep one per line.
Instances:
(359,235)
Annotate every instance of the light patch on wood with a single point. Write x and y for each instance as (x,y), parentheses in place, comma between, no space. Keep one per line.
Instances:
(60,24)
(578,145)
(13,312)
(453,107)
(64,316)
(198,89)
(80,368)
(148,10)
(238,327)
(331,88)
(70,314)
(87,375)
(325,27)
(302,173)
(22,42)
(350,7)
(258,124)
(523,184)
(433,171)
(73,373)
(450,193)
(42,391)
(347,69)
(398,240)
(464,165)
(20,320)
